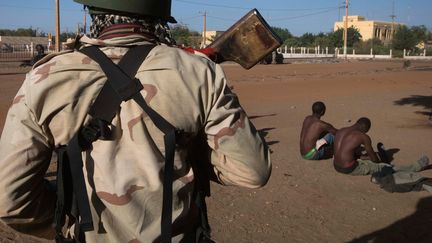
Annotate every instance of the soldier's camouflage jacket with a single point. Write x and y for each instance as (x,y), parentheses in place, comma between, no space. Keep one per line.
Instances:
(124,175)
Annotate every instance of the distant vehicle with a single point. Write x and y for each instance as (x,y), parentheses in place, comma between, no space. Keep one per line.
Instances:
(5,47)
(268,59)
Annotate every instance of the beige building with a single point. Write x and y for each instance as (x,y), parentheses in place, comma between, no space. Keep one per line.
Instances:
(210,36)
(369,28)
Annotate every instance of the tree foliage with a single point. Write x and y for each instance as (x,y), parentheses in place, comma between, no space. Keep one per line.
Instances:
(331,40)
(404,38)
(353,37)
(183,36)
(19,32)
(421,33)
(284,34)
(379,48)
(66,35)
(307,39)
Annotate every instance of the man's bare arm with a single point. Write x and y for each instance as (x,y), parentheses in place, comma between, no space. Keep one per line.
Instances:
(329,128)
(368,147)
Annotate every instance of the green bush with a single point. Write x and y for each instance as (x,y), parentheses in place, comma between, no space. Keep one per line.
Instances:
(429,51)
(398,53)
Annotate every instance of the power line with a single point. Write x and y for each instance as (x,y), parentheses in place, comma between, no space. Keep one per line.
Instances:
(248,8)
(303,15)
(224,19)
(189,18)
(36,8)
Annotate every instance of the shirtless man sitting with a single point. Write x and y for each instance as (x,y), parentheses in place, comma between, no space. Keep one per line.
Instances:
(349,140)
(316,138)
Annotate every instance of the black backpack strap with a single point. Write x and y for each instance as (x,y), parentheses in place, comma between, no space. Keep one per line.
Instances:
(121,85)
(199,160)
(64,200)
(203,231)
(70,177)
(129,66)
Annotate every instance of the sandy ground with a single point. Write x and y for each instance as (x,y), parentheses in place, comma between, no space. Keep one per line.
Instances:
(308,201)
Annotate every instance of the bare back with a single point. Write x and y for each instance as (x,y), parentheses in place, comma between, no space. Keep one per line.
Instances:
(347,141)
(312,129)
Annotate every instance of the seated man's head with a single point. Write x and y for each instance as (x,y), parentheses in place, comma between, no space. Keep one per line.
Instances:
(318,108)
(364,124)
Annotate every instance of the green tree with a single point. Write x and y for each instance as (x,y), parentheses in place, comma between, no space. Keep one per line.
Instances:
(66,35)
(307,39)
(323,40)
(353,36)
(292,42)
(183,36)
(420,32)
(19,32)
(404,38)
(284,34)
(379,48)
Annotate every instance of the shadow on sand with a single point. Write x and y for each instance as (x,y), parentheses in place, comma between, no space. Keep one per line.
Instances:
(418,100)
(264,132)
(413,228)
(259,116)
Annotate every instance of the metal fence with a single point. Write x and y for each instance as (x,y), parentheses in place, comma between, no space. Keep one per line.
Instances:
(21,52)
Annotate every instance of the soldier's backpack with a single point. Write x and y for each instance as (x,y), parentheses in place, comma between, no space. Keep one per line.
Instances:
(72,199)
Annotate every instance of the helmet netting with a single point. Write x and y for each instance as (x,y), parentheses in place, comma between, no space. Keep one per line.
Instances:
(150,26)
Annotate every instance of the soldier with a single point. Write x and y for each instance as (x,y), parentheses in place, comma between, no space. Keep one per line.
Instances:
(316,138)
(124,173)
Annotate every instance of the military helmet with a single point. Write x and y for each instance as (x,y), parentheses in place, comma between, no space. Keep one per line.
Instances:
(156,8)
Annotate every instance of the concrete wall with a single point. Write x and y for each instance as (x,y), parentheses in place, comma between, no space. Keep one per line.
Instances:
(23,40)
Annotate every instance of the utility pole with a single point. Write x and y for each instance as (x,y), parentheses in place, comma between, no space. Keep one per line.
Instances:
(57,27)
(345,29)
(393,16)
(339,8)
(85,22)
(203,45)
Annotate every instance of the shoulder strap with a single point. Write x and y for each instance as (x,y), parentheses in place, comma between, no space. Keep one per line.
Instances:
(120,86)
(170,132)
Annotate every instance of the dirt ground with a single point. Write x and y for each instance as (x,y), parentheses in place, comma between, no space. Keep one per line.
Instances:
(308,201)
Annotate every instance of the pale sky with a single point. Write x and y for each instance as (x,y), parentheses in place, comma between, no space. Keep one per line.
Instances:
(298,17)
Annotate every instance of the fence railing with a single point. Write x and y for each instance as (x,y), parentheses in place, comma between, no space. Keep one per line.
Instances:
(19,52)
(421,56)
(318,52)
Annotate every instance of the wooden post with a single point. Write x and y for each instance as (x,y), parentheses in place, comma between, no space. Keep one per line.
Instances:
(346,29)
(57,27)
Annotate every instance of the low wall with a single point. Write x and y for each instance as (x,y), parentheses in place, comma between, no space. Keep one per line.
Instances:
(362,56)
(429,58)
(302,56)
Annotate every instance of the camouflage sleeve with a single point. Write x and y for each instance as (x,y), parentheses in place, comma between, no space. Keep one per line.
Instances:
(240,156)
(25,155)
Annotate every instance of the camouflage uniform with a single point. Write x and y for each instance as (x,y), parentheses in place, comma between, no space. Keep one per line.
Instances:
(123,176)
